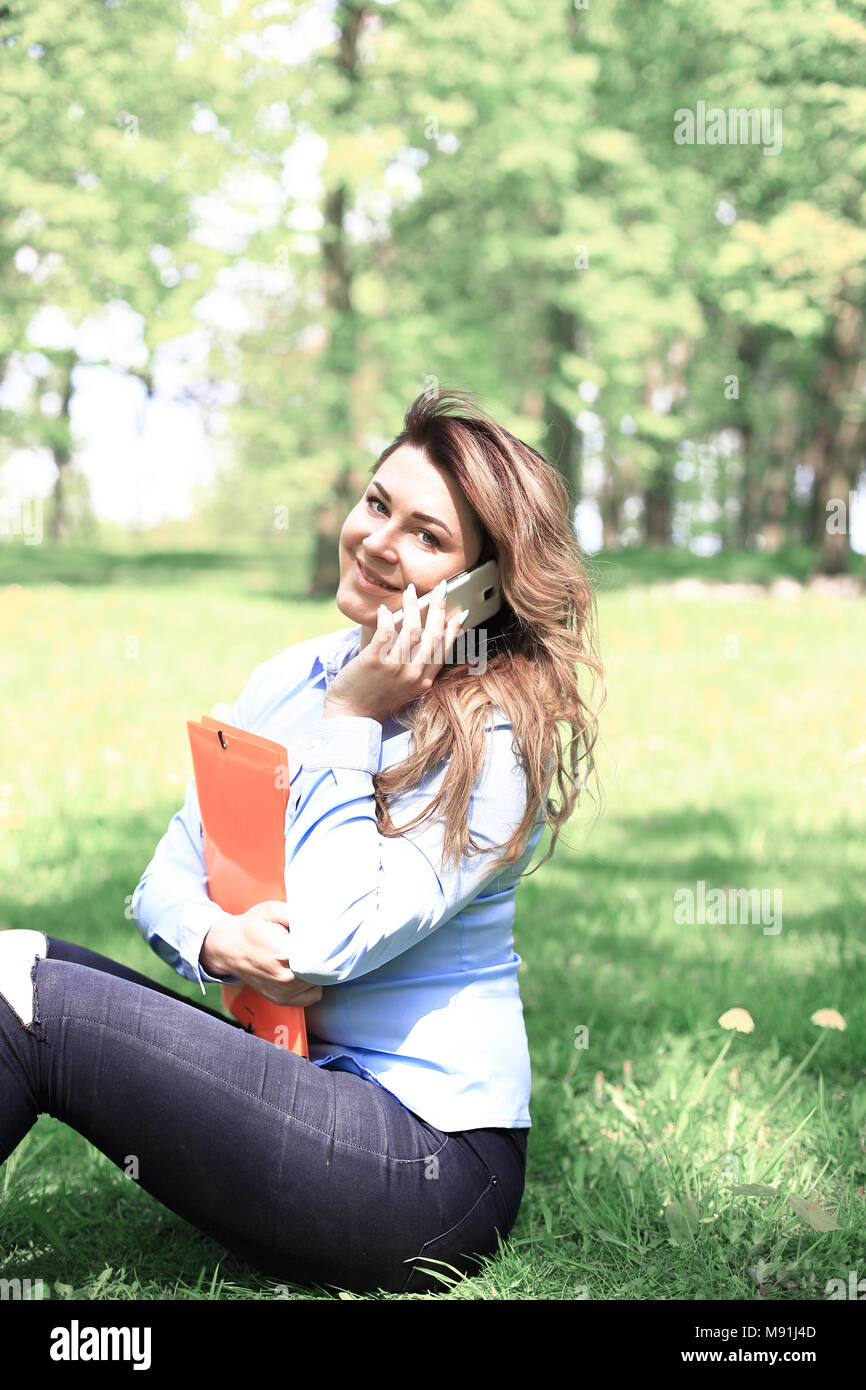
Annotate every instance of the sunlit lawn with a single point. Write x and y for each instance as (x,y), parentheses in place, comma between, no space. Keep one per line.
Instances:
(733,752)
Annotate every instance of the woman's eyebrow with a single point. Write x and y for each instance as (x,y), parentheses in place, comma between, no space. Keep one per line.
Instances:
(421,516)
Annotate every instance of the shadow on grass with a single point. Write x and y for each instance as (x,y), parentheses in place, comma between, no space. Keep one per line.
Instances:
(641,565)
(285,574)
(282,575)
(115,1229)
(602,949)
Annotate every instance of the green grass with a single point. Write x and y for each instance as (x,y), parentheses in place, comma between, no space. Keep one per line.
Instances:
(732,751)
(643,565)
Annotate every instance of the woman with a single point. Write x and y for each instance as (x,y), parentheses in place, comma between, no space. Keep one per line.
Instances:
(398,1148)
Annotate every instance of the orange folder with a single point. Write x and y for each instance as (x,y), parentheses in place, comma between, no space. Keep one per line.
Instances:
(242,782)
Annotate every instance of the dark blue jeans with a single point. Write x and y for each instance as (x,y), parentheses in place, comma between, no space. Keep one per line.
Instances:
(310,1175)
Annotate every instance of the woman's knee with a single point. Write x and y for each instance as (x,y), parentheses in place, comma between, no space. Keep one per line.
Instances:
(20,949)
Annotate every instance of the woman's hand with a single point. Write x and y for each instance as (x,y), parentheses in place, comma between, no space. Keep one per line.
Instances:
(395,668)
(253,947)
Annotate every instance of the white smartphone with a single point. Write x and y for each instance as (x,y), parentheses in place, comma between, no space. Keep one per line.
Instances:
(476,589)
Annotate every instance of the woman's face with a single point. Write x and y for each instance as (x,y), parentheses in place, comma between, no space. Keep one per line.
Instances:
(398,547)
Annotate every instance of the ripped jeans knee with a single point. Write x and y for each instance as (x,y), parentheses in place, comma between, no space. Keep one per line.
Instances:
(19,952)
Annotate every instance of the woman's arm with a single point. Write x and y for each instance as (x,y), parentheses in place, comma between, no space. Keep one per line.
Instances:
(358,899)
(171,905)
(254,947)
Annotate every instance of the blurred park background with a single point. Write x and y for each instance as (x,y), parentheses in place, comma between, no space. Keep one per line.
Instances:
(237,240)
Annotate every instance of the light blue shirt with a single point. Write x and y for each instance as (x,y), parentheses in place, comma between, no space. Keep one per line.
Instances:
(416,962)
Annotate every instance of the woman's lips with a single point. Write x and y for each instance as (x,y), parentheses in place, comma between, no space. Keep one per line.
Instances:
(366,583)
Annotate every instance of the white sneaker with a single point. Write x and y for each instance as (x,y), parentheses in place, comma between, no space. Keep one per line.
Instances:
(19,951)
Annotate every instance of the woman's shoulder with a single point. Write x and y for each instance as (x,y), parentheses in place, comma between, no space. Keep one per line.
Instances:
(276,678)
(498,719)
(302,657)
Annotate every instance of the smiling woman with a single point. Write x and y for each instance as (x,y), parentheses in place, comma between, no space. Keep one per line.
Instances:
(413,525)
(400,1143)
(452,490)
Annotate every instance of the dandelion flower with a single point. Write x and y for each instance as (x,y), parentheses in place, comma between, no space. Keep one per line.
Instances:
(829,1018)
(740,1019)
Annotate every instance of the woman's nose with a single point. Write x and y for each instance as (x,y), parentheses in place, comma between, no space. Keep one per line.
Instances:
(380,541)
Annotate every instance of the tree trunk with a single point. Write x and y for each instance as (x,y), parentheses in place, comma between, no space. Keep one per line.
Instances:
(61,450)
(839,441)
(751,491)
(751,351)
(658,503)
(560,448)
(658,491)
(329,524)
(777,492)
(610,503)
(342,354)
(835,544)
(562,445)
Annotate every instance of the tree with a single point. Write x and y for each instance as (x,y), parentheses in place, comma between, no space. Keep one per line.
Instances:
(102,153)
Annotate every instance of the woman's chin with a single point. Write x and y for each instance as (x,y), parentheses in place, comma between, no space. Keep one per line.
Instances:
(354,606)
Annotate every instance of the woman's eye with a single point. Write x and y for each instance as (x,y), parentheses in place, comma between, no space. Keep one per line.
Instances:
(434,539)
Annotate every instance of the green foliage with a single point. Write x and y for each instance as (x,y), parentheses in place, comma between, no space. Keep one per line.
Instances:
(503,207)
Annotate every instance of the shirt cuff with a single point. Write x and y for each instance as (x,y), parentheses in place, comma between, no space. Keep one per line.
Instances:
(345,740)
(195,924)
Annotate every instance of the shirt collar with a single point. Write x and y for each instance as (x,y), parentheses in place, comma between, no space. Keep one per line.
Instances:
(341,647)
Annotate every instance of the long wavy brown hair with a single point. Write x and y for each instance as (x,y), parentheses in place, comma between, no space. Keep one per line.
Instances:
(539,646)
